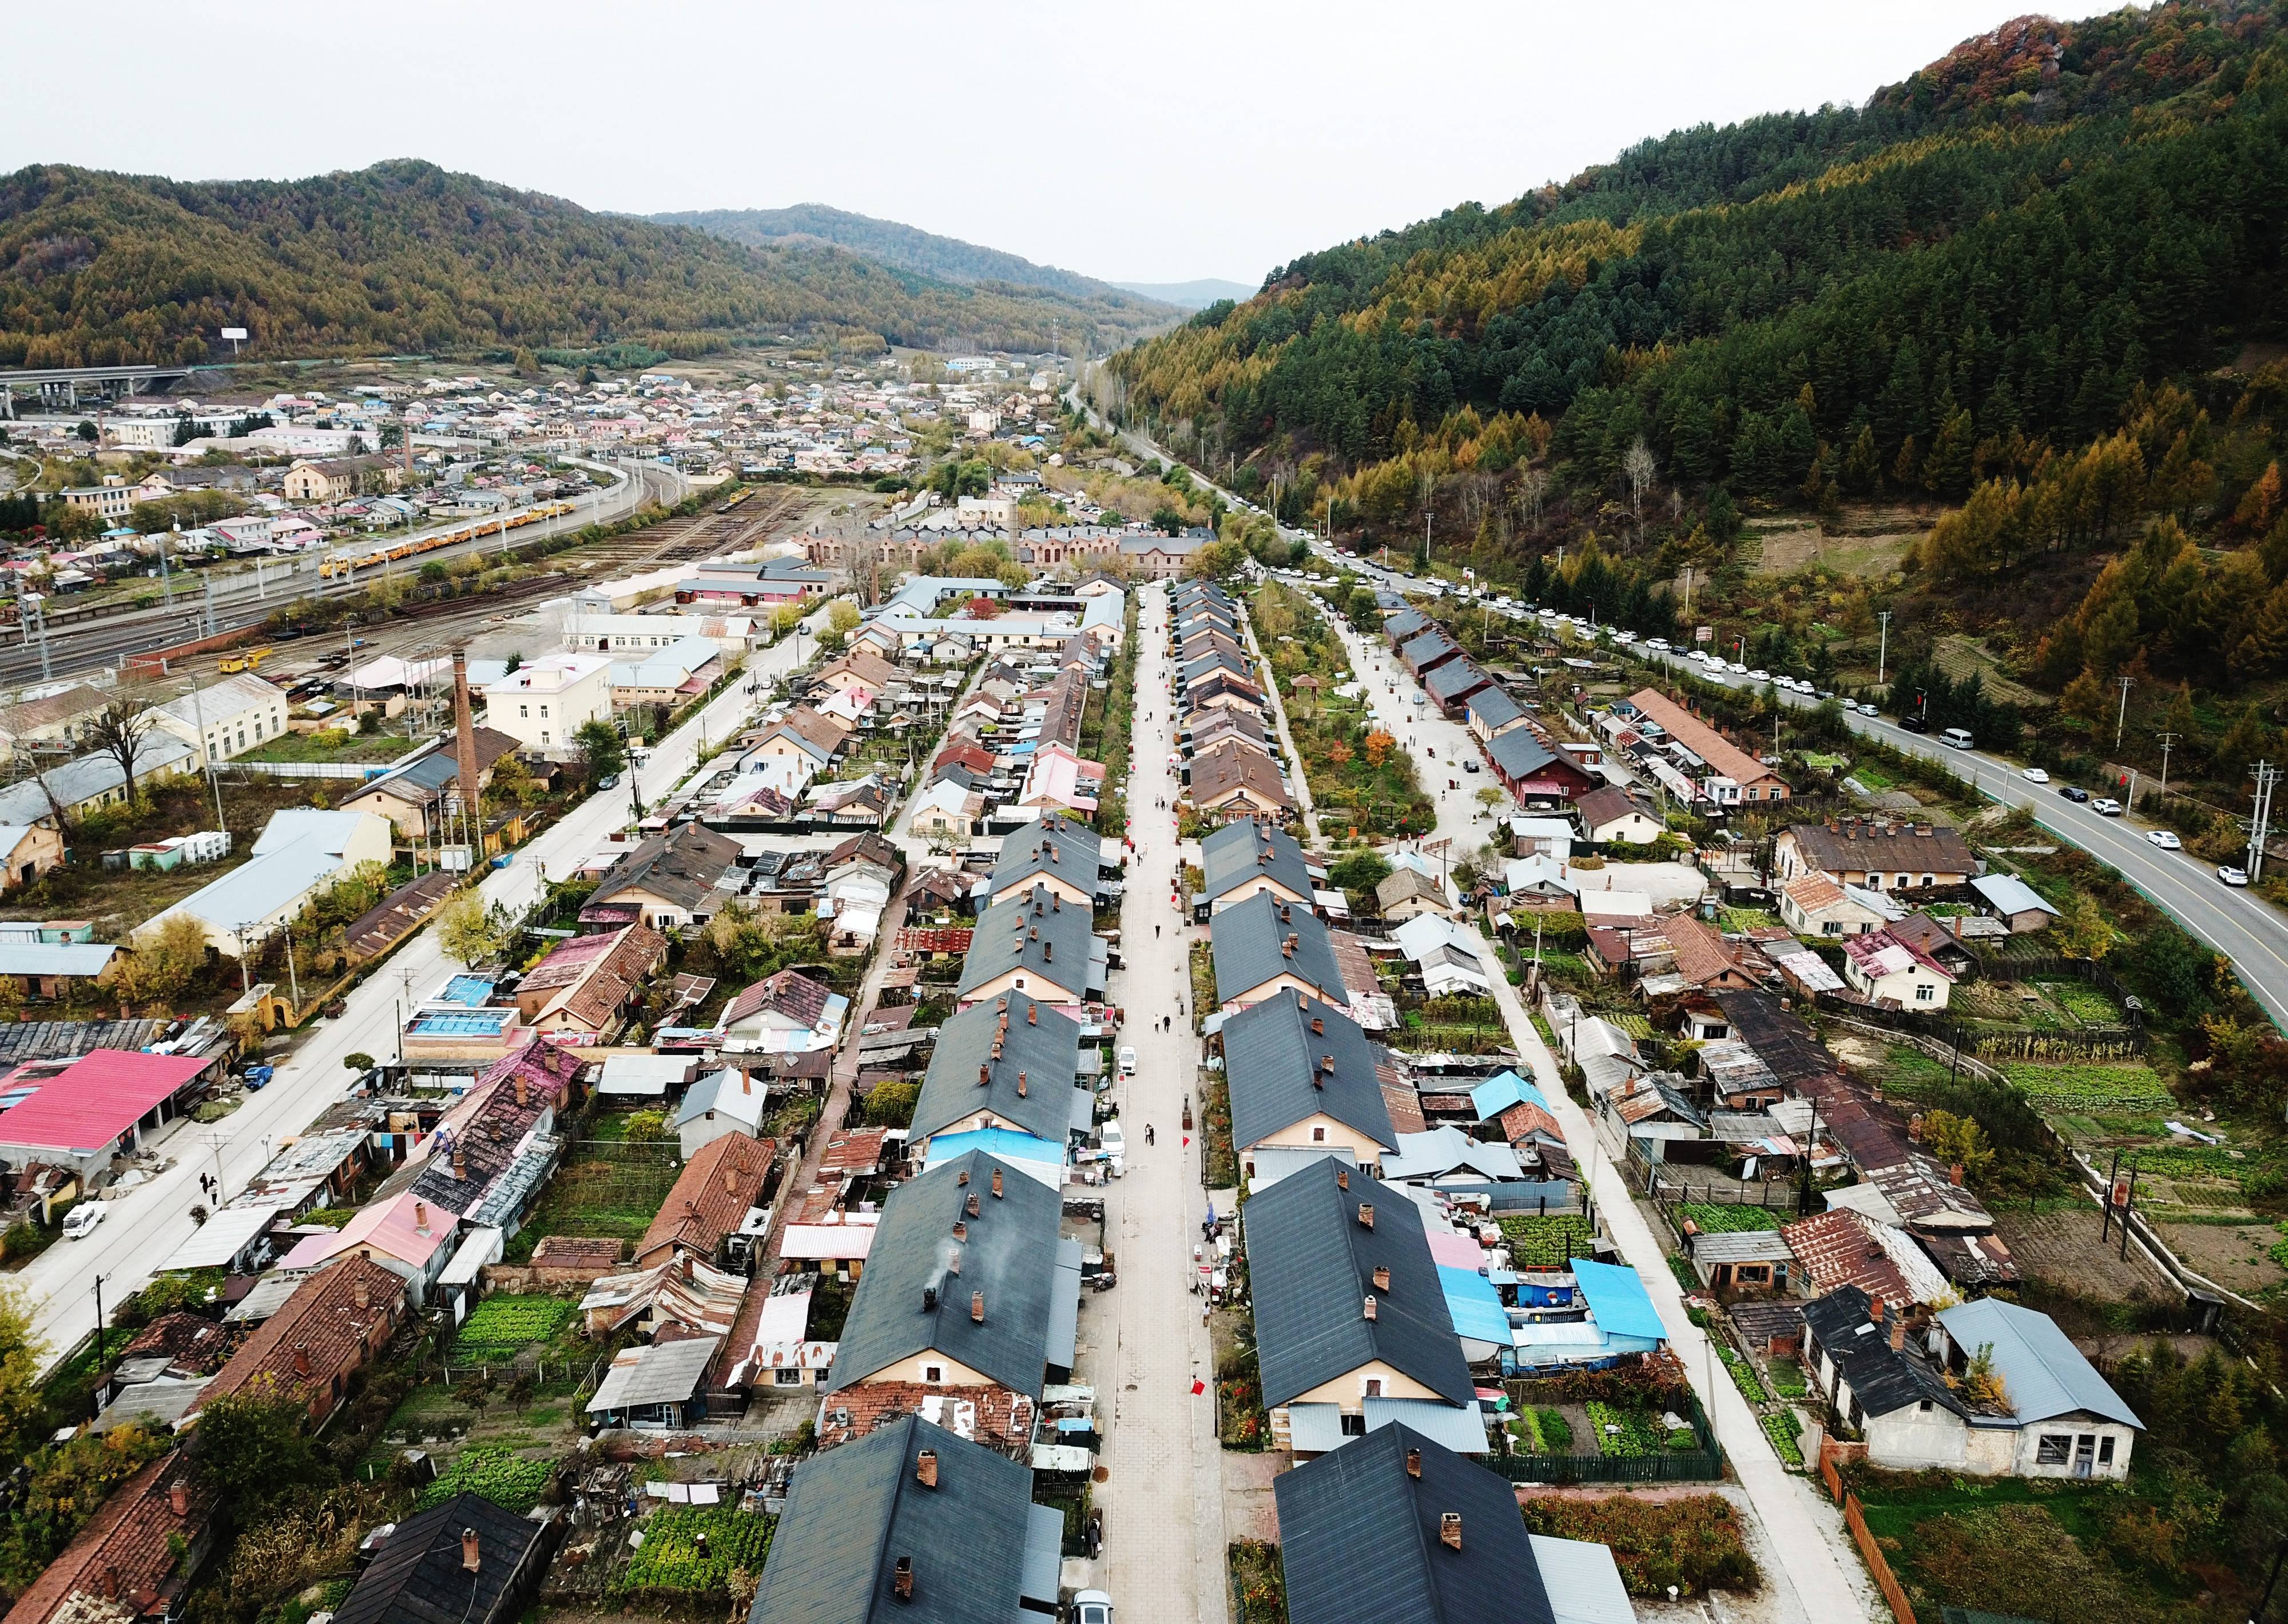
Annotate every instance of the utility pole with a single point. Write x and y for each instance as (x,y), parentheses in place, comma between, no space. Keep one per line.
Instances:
(2121,720)
(2267,776)
(1688,590)
(2166,740)
(1882,646)
(206,753)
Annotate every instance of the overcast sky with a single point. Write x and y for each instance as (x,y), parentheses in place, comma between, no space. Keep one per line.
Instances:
(1160,142)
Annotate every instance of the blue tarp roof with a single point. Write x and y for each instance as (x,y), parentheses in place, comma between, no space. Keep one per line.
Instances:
(1002,1144)
(1498,1093)
(1474,1305)
(1617,1300)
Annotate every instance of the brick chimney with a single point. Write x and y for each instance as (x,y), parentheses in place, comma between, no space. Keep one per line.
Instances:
(1414,1464)
(1449,1529)
(473,1555)
(1366,1309)
(902,1580)
(362,1292)
(420,1217)
(1366,1215)
(977,1307)
(464,738)
(178,1499)
(523,1092)
(925,1469)
(1875,1311)
(302,1358)
(997,1184)
(1382,1277)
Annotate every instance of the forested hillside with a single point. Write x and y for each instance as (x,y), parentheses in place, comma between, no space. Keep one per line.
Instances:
(2039,281)
(905,246)
(98,268)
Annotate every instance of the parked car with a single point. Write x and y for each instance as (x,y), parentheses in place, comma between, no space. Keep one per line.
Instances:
(1469,765)
(80,1222)
(1113,1143)
(2106,806)
(2166,839)
(611,781)
(2074,793)
(1091,1607)
(1128,1062)
(2231,875)
(2034,775)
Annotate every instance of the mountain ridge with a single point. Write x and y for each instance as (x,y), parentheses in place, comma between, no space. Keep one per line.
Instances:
(99,267)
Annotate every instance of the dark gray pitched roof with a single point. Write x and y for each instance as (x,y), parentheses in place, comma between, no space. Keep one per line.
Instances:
(1407,624)
(1206,665)
(1493,705)
(851,1513)
(1054,845)
(1037,1043)
(1035,930)
(1241,849)
(1431,645)
(1519,753)
(417,1579)
(1250,943)
(1453,679)
(680,866)
(1884,1378)
(1360,1539)
(1311,1263)
(1277,1064)
(1008,1251)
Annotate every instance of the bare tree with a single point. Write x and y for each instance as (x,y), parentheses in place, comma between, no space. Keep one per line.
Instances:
(1638,468)
(118,731)
(1532,486)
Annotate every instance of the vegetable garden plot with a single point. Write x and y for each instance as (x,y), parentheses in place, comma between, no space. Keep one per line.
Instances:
(508,1480)
(1724,1219)
(689,1552)
(2088,1086)
(500,1327)
(1547,1240)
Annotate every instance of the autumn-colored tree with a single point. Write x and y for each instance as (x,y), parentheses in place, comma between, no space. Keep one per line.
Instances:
(2261,504)
(1378,745)
(1959,1141)
(2082,931)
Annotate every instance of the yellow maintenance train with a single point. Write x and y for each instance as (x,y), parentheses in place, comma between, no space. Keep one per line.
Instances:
(340,566)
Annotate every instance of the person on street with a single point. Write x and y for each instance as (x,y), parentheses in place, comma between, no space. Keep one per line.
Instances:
(1147,1133)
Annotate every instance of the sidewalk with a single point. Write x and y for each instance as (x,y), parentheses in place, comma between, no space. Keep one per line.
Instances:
(1817,1583)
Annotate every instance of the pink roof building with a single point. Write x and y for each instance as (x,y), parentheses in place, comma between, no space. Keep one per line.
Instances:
(100,1106)
(407,1235)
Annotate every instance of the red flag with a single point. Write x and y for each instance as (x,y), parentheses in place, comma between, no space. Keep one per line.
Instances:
(1187,1140)
(1198,1387)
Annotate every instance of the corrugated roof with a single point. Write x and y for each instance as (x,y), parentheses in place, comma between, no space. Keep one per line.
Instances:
(2042,1371)
(97,1098)
(665,1373)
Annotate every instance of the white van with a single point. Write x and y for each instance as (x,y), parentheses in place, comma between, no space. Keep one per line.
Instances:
(1955,739)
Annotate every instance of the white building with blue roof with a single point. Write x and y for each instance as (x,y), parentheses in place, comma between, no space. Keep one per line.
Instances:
(1611,1314)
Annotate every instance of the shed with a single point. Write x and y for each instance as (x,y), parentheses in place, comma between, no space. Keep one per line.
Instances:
(655,1388)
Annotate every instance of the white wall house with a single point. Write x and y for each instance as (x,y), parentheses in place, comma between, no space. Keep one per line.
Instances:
(225,718)
(1903,1390)
(544,704)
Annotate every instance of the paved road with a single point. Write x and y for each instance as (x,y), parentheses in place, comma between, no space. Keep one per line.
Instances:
(245,597)
(141,1229)
(2243,927)
(1815,1583)
(1162,1496)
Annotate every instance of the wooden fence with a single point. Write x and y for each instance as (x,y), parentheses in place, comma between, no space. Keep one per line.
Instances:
(1902,1611)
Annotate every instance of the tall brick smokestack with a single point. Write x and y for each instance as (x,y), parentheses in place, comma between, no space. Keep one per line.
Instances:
(464,746)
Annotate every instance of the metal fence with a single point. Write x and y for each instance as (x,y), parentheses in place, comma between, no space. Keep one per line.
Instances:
(1701,1464)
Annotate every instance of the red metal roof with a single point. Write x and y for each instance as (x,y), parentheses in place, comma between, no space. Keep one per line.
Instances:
(97,1098)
